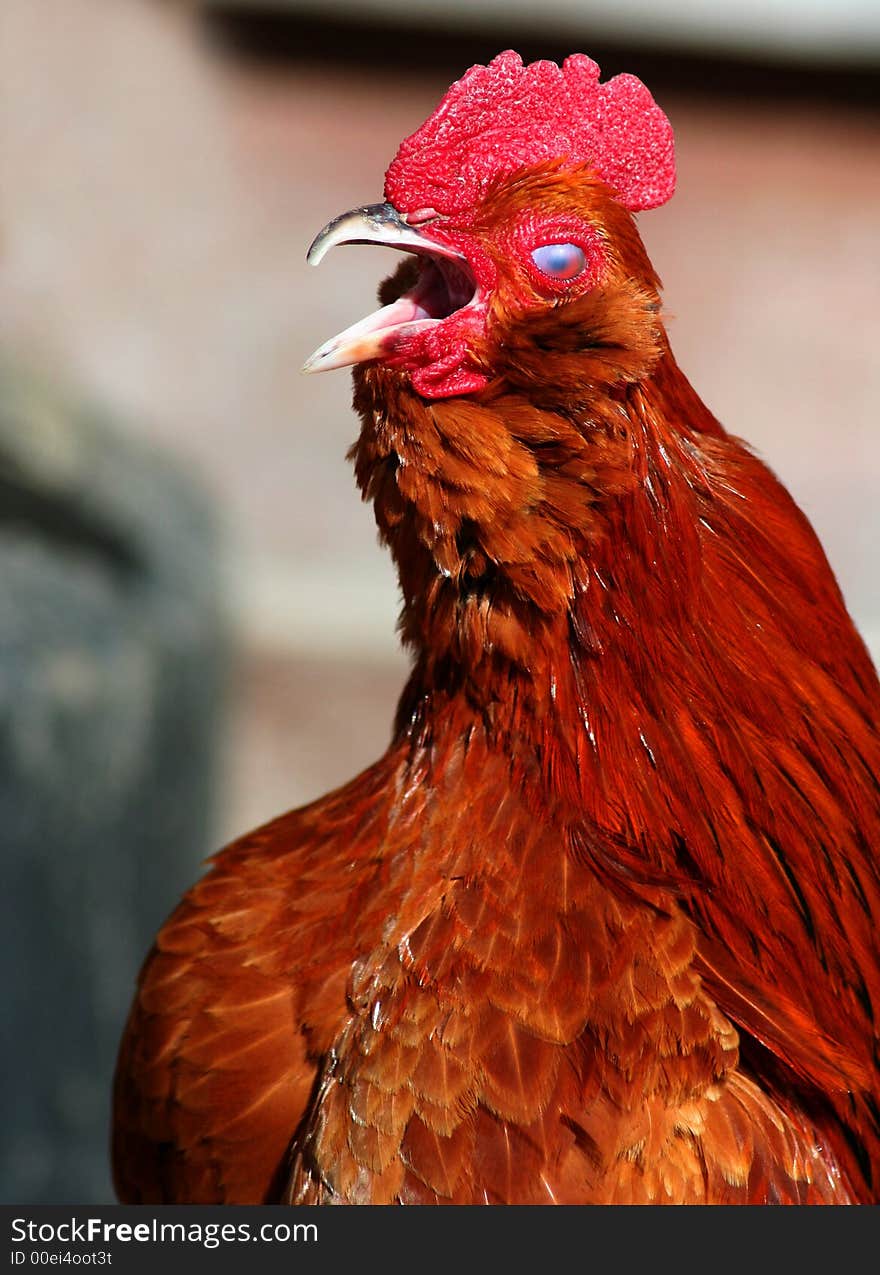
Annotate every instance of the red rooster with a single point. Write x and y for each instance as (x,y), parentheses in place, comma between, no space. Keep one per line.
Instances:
(601,926)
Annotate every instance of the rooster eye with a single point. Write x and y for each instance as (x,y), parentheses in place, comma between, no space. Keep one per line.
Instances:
(560,260)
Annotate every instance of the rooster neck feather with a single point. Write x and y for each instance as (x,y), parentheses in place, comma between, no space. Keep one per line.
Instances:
(639,612)
(511,520)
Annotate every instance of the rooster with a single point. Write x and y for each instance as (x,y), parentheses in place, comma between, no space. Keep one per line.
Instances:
(601,924)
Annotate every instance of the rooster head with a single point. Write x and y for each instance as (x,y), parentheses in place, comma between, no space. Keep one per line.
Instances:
(514,201)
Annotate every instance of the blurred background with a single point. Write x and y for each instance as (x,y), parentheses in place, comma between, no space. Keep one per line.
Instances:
(197,628)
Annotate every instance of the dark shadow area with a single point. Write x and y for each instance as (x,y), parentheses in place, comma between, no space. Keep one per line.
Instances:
(64,526)
(283,39)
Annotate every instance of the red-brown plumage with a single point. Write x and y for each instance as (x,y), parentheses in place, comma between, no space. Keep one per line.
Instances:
(601,925)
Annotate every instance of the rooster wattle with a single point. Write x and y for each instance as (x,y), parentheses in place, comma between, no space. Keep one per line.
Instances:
(601,926)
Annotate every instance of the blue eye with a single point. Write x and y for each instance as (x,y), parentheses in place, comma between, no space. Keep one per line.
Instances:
(560,260)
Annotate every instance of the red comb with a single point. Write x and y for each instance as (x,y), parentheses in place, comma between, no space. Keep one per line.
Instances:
(504,116)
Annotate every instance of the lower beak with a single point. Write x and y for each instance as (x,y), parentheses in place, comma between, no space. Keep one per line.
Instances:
(373,336)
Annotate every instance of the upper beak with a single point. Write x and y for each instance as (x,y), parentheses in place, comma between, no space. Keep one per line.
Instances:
(374,223)
(370,337)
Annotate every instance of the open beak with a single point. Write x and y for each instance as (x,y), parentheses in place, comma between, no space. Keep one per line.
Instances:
(445,285)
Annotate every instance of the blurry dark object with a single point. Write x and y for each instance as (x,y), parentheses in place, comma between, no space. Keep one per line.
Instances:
(111,676)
